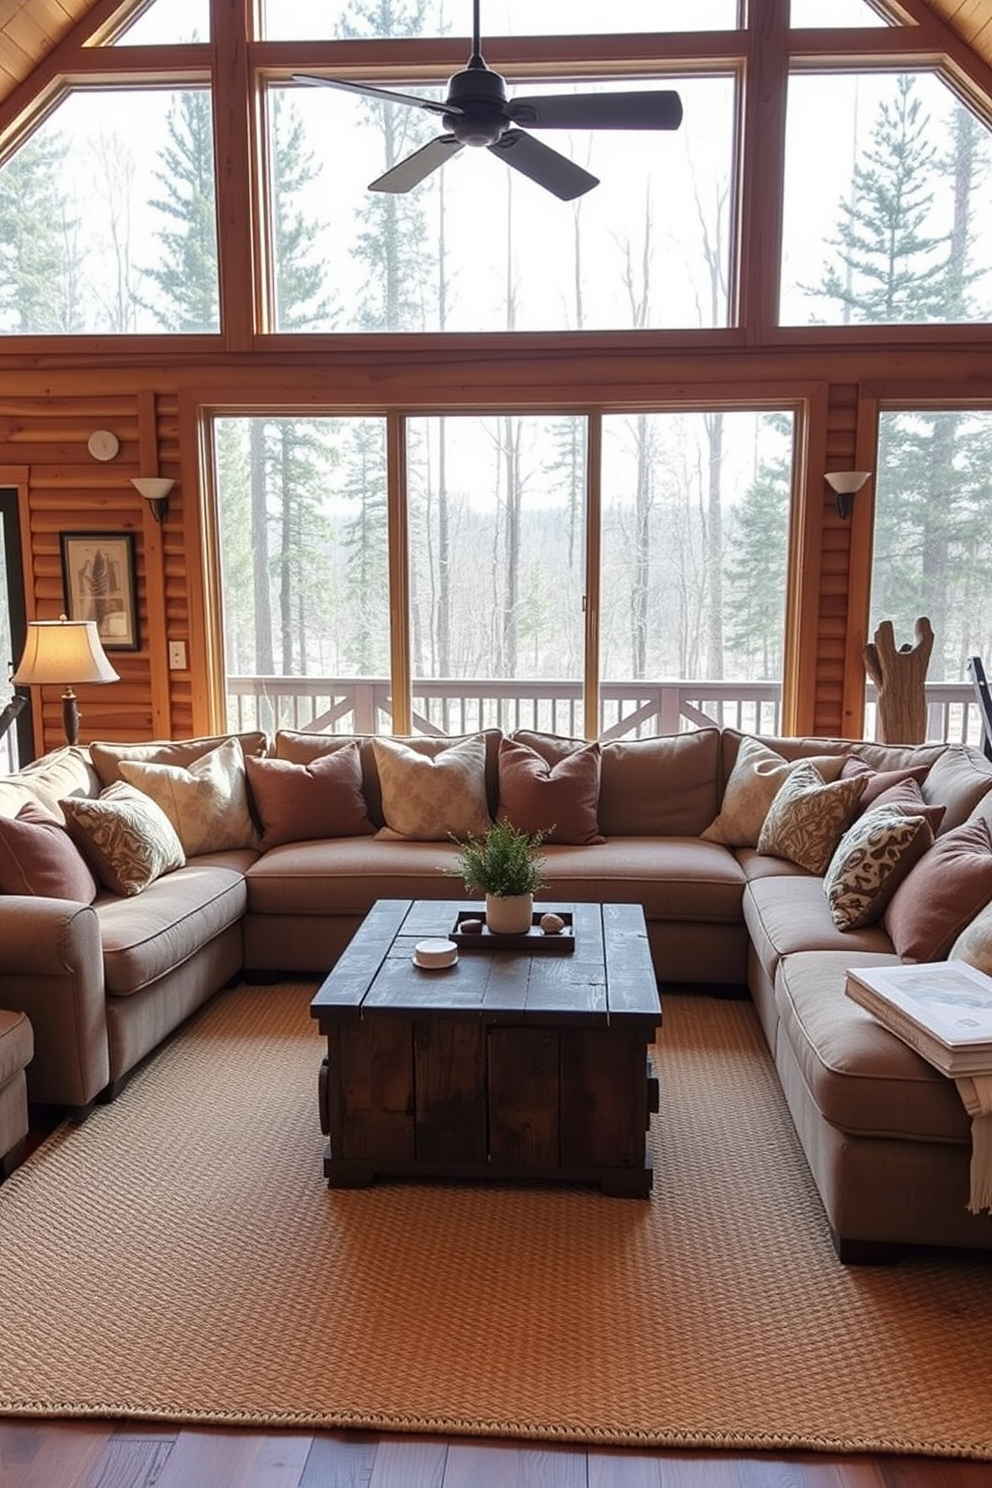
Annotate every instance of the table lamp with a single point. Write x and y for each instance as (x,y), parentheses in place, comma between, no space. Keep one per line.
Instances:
(59,653)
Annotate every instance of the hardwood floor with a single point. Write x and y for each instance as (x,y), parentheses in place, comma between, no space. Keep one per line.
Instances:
(102,1454)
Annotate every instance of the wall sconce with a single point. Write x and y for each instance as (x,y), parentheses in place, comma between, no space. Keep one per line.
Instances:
(60,652)
(845,484)
(155,489)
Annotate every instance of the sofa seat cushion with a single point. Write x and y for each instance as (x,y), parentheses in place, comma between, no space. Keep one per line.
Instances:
(863,1079)
(674,878)
(16,1044)
(790,913)
(152,933)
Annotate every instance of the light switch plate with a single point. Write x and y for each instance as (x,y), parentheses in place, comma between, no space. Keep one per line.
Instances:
(177,656)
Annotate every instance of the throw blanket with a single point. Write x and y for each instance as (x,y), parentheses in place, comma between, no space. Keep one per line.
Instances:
(976,1092)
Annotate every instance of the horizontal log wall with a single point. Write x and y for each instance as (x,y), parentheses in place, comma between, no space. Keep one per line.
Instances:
(154,406)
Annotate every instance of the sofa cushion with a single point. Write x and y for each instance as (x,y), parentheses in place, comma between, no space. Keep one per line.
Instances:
(559,801)
(37,856)
(872,858)
(675,879)
(958,779)
(175,917)
(107,756)
(808,816)
(303,747)
(428,799)
(907,797)
(862,1078)
(661,787)
(63,772)
(974,944)
(127,839)
(206,800)
(944,893)
(789,913)
(296,803)
(754,782)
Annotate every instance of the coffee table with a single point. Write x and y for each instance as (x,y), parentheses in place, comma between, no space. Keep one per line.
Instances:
(508,1065)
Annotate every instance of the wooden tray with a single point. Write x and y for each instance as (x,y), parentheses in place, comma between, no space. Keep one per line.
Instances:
(532,942)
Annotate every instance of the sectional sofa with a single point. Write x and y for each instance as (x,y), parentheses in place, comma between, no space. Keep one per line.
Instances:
(764,866)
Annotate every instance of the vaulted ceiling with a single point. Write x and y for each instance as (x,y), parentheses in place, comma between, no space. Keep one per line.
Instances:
(29,29)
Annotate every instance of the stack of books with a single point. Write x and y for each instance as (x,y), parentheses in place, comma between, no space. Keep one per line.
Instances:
(943,1009)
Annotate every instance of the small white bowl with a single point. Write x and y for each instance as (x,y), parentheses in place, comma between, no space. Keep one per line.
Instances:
(433,955)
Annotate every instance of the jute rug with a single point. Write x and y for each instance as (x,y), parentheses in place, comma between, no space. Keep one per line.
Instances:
(179,1257)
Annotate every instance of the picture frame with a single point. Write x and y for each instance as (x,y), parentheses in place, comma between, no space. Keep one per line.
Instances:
(99,582)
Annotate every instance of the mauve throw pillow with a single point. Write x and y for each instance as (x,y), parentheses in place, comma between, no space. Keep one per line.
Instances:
(877,782)
(297,803)
(559,800)
(908,798)
(943,894)
(38,857)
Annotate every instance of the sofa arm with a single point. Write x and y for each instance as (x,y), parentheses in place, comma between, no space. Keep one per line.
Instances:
(51,968)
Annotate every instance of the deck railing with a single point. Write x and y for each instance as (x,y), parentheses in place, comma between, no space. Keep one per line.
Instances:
(633,710)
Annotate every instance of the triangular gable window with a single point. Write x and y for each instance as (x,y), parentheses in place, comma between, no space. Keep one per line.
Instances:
(823,13)
(167,22)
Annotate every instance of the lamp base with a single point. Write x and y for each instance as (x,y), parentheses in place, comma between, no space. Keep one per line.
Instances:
(70,716)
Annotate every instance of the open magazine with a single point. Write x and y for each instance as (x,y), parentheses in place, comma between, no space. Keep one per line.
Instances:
(942,1008)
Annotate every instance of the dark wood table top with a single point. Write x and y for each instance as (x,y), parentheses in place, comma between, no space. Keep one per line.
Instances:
(608,977)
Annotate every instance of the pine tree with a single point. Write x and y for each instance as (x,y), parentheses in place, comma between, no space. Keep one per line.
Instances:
(187,276)
(757,543)
(40,262)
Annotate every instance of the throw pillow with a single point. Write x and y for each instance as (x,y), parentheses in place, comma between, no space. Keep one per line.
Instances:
(908,798)
(879,781)
(430,799)
(943,894)
(296,803)
(750,790)
(807,817)
(37,856)
(974,944)
(206,802)
(127,840)
(871,860)
(559,800)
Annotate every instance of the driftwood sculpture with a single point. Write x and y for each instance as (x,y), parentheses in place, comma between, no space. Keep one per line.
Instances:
(900,677)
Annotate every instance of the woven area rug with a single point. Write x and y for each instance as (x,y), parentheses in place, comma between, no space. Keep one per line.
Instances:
(179,1257)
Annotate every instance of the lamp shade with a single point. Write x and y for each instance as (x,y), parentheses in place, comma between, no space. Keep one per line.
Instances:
(63,651)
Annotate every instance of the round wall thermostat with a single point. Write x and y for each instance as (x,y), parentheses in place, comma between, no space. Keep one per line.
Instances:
(103,445)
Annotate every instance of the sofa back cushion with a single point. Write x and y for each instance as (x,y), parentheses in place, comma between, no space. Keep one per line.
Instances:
(660,787)
(960,780)
(107,757)
(63,772)
(302,748)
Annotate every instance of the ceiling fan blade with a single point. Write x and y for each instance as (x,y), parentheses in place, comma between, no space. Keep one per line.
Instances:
(556,173)
(416,167)
(368,91)
(658,110)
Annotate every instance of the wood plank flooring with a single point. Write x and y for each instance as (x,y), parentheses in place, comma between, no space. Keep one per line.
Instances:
(104,1454)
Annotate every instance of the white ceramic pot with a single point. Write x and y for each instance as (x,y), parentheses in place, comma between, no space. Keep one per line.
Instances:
(512,915)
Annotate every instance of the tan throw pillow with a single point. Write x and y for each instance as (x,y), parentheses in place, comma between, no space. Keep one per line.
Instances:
(207,802)
(559,800)
(943,894)
(431,799)
(872,858)
(297,803)
(751,788)
(808,816)
(974,944)
(38,857)
(127,840)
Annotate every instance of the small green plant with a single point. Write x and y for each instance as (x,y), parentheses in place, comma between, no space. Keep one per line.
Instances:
(505,862)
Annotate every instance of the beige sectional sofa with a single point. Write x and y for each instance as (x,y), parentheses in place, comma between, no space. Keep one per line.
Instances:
(886,1136)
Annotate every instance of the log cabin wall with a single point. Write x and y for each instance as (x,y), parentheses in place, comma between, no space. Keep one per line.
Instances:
(47,416)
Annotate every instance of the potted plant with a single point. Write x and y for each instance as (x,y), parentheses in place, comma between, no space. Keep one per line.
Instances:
(507,867)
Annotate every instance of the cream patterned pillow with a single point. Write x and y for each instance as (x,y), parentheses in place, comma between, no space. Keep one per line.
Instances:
(872,859)
(431,799)
(808,816)
(126,839)
(757,774)
(206,801)
(974,944)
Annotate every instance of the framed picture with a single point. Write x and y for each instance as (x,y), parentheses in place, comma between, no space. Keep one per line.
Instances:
(98,579)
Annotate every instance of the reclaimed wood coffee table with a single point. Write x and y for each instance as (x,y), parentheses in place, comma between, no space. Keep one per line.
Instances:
(511,1064)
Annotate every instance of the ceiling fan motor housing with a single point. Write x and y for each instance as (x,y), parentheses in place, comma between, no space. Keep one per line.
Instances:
(480,96)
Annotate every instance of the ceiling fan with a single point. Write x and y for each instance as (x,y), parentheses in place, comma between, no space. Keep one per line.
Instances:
(477,112)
